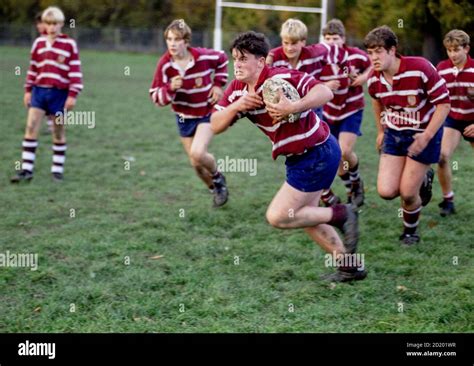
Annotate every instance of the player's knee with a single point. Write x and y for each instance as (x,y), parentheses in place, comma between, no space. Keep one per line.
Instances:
(346,153)
(197,156)
(387,193)
(409,198)
(275,219)
(443,159)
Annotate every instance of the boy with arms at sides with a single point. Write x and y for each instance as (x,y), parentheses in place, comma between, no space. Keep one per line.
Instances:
(183,79)
(410,102)
(53,83)
(458,71)
(312,154)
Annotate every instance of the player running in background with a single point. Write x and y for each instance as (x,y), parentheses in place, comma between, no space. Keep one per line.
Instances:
(344,112)
(53,82)
(294,54)
(458,71)
(312,154)
(183,79)
(410,102)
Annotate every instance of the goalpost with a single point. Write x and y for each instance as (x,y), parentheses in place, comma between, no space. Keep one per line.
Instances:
(228,4)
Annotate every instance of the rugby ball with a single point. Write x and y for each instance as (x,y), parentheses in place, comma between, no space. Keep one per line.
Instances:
(271,95)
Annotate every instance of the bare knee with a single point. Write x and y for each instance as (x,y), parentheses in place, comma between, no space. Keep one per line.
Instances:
(276,219)
(197,156)
(443,160)
(346,153)
(409,198)
(387,193)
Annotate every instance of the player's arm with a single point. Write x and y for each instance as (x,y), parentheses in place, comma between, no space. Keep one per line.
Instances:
(220,78)
(162,93)
(437,120)
(225,116)
(378,110)
(75,78)
(269,60)
(361,79)
(317,96)
(439,96)
(30,77)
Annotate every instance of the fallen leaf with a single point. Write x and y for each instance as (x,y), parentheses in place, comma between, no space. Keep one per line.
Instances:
(157,257)
(38,309)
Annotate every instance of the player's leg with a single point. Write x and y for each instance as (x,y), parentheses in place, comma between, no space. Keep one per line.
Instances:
(291,208)
(451,139)
(201,173)
(203,160)
(328,197)
(30,143)
(389,175)
(349,169)
(349,130)
(412,178)
(59,148)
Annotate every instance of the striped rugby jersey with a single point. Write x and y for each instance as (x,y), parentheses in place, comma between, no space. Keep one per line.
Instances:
(411,101)
(347,99)
(459,83)
(287,138)
(191,100)
(55,65)
(312,58)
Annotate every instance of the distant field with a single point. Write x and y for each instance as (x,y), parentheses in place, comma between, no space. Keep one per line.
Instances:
(221,270)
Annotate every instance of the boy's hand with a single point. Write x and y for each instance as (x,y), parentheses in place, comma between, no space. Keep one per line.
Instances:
(420,143)
(70,103)
(333,84)
(280,110)
(176,82)
(215,94)
(248,102)
(359,80)
(469,131)
(27,99)
(379,141)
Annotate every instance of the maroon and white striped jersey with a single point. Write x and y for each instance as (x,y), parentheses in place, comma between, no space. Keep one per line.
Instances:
(347,99)
(55,65)
(312,58)
(409,103)
(460,84)
(192,99)
(287,138)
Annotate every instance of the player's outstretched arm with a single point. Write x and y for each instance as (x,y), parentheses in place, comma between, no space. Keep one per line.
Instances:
(225,116)
(222,119)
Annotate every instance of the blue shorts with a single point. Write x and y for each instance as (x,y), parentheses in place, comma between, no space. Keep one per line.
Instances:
(459,126)
(349,124)
(315,169)
(50,100)
(319,112)
(397,143)
(187,126)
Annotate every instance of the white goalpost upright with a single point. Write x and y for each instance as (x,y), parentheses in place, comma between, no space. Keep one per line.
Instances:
(229,4)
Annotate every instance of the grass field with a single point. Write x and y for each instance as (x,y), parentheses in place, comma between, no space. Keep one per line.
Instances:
(222,270)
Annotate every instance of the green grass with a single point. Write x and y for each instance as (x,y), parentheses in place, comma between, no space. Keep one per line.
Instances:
(135,213)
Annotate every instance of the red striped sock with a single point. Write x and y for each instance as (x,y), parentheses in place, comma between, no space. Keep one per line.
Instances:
(29,154)
(59,157)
